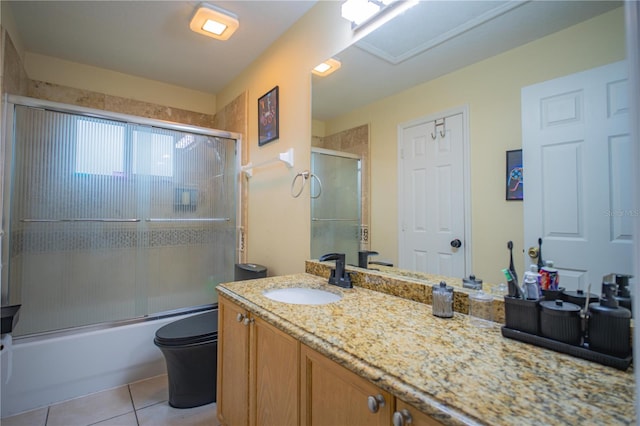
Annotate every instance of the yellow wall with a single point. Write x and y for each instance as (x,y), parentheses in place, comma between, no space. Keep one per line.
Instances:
(318,128)
(491,89)
(80,76)
(279,225)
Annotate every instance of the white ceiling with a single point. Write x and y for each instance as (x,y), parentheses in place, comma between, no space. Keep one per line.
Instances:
(152,39)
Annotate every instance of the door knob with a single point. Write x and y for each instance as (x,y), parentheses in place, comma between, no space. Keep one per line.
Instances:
(456,243)
(533,252)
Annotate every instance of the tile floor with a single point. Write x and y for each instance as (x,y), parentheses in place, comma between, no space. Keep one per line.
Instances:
(142,403)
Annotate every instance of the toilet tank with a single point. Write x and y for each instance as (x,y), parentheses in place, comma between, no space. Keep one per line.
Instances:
(249,271)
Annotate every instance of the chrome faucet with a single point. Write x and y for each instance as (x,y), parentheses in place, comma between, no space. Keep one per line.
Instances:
(339,276)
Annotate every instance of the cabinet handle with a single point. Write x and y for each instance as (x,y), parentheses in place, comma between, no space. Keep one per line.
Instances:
(248,321)
(402,418)
(240,317)
(375,402)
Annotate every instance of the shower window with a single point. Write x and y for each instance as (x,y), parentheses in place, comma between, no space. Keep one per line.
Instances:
(152,153)
(99,147)
(102,147)
(112,220)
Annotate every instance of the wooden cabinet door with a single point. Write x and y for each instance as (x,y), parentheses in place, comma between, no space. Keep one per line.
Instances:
(274,384)
(411,416)
(233,365)
(333,395)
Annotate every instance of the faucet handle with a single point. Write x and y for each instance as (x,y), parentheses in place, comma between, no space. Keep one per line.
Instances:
(339,276)
(331,256)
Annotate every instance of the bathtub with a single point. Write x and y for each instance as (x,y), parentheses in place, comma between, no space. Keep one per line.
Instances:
(53,368)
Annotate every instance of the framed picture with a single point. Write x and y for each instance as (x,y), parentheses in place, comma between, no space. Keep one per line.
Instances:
(514,175)
(268,117)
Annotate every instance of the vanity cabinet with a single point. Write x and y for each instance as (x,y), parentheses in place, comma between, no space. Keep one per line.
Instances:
(333,395)
(232,397)
(257,384)
(267,377)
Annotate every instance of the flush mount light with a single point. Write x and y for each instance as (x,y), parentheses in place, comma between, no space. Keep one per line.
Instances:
(327,67)
(214,22)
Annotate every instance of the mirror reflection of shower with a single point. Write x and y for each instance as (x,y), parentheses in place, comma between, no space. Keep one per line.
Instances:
(336,215)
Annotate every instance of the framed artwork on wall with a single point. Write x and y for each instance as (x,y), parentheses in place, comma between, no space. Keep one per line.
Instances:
(268,117)
(515,181)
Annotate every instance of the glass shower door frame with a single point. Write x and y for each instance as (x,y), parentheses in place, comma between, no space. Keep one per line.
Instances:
(316,194)
(7,161)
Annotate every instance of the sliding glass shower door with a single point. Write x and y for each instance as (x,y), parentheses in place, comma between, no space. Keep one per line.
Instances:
(335,204)
(112,220)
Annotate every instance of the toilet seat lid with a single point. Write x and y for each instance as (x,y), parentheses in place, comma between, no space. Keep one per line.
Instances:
(194,329)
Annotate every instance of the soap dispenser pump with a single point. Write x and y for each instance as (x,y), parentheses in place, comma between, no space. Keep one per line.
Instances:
(609,324)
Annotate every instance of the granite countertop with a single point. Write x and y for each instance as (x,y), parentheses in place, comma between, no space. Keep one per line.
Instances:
(447,368)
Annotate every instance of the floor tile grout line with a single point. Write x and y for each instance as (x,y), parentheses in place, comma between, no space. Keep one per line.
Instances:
(133,405)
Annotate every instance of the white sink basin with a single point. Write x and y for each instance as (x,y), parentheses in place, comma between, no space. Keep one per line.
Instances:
(302,296)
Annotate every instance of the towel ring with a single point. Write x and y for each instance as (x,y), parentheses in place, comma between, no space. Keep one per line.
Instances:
(319,186)
(305,176)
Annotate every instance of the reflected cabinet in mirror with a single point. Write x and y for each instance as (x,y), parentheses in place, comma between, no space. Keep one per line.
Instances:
(445,99)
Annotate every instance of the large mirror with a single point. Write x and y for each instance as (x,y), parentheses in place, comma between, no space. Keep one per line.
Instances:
(440,58)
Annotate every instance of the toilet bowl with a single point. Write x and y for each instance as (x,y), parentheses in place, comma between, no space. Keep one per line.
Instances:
(190,349)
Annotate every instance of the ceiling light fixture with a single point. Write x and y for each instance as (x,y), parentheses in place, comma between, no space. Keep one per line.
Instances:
(327,67)
(358,11)
(214,22)
(361,12)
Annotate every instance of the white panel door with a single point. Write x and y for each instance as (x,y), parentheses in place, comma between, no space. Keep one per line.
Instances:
(432,209)
(577,169)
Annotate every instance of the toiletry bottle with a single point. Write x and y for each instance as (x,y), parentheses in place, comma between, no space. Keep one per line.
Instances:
(530,285)
(549,279)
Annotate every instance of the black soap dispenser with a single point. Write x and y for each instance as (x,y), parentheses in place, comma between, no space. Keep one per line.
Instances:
(609,324)
(624,295)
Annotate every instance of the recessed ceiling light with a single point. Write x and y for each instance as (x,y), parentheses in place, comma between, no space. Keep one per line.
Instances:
(214,22)
(327,67)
